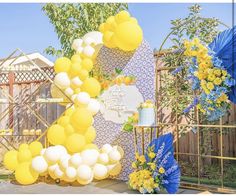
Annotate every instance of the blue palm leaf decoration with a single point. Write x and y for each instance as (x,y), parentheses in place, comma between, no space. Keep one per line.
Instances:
(163,147)
(224,46)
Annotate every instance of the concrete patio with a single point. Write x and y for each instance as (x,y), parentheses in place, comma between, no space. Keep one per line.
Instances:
(99,187)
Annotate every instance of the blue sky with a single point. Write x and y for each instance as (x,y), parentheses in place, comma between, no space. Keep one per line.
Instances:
(25,26)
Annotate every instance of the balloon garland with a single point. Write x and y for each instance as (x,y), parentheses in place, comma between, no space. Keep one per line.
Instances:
(73,156)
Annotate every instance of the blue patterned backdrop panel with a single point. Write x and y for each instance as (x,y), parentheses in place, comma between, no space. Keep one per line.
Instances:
(140,64)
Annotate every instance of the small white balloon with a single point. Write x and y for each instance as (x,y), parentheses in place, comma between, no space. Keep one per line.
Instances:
(100,171)
(75,160)
(84,172)
(80,49)
(114,169)
(114,156)
(52,167)
(76,81)
(95,35)
(93,106)
(82,98)
(71,172)
(84,182)
(62,150)
(69,92)
(89,157)
(42,151)
(58,172)
(88,51)
(52,154)
(39,164)
(121,151)
(103,158)
(88,41)
(64,161)
(106,148)
(77,43)
(62,80)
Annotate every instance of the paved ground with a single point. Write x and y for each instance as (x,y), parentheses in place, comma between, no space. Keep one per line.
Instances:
(100,187)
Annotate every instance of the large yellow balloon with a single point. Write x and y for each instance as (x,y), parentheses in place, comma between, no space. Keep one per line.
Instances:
(69,129)
(75,69)
(122,16)
(35,148)
(10,160)
(87,64)
(24,155)
(90,134)
(83,74)
(23,146)
(56,135)
(75,142)
(81,119)
(91,86)
(62,64)
(129,36)
(25,175)
(64,121)
(76,58)
(69,111)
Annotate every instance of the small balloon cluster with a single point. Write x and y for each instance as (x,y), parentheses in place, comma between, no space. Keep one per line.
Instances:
(32,161)
(122,31)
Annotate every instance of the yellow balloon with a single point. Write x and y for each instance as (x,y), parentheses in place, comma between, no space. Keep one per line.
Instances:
(87,64)
(90,135)
(91,86)
(10,160)
(133,20)
(76,58)
(75,142)
(122,16)
(56,134)
(75,69)
(23,146)
(69,111)
(77,91)
(35,148)
(129,36)
(91,146)
(64,121)
(25,175)
(83,74)
(69,129)
(81,119)
(111,22)
(62,64)
(24,155)
(102,28)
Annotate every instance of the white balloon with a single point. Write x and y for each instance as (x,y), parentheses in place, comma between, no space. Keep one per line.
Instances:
(52,154)
(69,92)
(84,172)
(58,172)
(103,158)
(39,164)
(106,148)
(84,182)
(62,80)
(62,150)
(77,43)
(88,40)
(71,172)
(114,169)
(93,106)
(114,156)
(95,35)
(121,151)
(100,171)
(42,151)
(89,157)
(75,160)
(82,98)
(88,51)
(80,49)
(64,161)
(53,167)
(76,81)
